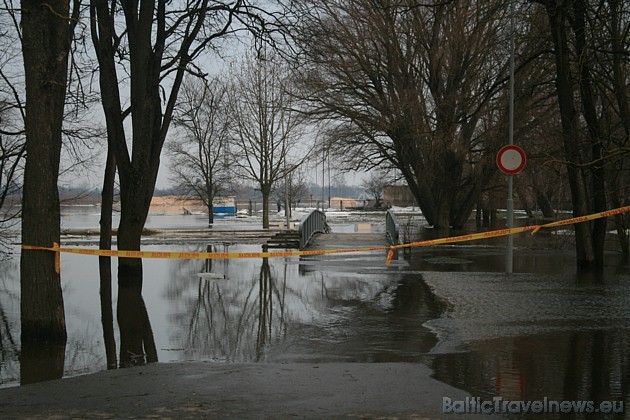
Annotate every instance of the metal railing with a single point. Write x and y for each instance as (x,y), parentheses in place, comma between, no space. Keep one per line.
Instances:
(314,222)
(392,231)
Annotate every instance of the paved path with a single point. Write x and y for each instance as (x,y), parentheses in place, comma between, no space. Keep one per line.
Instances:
(239,391)
(348,240)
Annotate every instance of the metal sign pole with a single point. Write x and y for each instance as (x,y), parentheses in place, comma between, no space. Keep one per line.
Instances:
(509,252)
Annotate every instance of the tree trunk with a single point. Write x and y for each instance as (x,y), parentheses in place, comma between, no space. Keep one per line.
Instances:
(586,254)
(443,212)
(104,263)
(137,344)
(545,204)
(621,220)
(266,193)
(41,362)
(210,213)
(45,46)
(522,196)
(587,96)
(130,313)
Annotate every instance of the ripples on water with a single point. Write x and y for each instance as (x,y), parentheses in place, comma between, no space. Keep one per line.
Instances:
(542,332)
(533,335)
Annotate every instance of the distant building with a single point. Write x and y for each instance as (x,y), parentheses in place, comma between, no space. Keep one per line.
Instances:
(341,203)
(398,195)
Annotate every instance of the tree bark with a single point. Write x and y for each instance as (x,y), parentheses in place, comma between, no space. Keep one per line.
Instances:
(45,47)
(570,133)
(210,214)
(41,362)
(104,263)
(545,205)
(210,199)
(587,96)
(130,313)
(266,193)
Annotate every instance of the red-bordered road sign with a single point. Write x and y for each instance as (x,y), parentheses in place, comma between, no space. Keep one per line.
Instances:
(511,159)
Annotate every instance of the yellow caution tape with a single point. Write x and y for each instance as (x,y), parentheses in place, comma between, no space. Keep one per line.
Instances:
(505,232)
(195,255)
(223,255)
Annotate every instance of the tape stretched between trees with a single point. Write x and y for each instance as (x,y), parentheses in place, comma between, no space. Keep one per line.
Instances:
(505,232)
(225,255)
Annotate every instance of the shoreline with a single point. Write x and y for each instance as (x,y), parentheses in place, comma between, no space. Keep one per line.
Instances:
(238,390)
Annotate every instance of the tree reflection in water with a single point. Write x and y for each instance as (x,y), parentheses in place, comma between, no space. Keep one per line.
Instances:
(234,322)
(559,366)
(9,304)
(37,361)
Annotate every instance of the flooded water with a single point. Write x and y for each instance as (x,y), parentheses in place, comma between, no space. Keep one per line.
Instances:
(543,332)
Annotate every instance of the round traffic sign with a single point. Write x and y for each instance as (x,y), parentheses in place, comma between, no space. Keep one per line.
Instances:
(511,159)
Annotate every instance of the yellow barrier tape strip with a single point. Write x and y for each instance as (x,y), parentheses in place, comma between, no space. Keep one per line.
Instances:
(57,258)
(223,255)
(195,255)
(589,217)
(505,232)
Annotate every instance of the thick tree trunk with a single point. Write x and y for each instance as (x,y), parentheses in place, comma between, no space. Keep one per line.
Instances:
(130,313)
(45,46)
(437,189)
(463,208)
(442,211)
(522,196)
(589,252)
(587,96)
(544,204)
(133,319)
(41,362)
(137,345)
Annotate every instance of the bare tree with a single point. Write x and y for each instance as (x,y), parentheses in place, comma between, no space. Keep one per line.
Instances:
(78,133)
(12,150)
(375,185)
(200,157)
(268,133)
(151,45)
(415,87)
(590,40)
(291,189)
(47,29)
(12,142)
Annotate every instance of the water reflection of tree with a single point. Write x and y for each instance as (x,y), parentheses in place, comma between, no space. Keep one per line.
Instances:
(235,319)
(570,365)
(237,323)
(266,290)
(37,362)
(9,298)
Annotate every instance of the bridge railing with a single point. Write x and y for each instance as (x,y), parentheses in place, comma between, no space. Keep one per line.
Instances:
(314,222)
(392,230)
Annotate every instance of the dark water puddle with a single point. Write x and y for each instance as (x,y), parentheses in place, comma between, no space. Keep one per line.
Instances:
(386,327)
(561,366)
(542,334)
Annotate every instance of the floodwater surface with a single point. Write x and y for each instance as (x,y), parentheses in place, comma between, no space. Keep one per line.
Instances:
(540,333)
